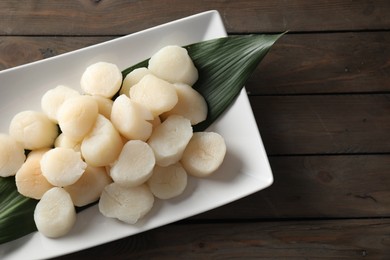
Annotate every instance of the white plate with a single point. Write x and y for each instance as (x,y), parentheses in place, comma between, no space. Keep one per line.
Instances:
(245,170)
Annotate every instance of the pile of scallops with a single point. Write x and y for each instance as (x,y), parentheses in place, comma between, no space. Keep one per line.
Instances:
(123,150)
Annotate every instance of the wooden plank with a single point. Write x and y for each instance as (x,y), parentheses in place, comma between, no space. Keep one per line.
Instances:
(298,63)
(325,63)
(123,17)
(323,124)
(338,239)
(19,50)
(317,187)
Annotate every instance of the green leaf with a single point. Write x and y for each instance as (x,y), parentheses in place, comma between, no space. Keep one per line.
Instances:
(16,212)
(224,66)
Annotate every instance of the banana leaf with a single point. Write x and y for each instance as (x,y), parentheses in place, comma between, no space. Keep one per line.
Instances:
(224,65)
(16,212)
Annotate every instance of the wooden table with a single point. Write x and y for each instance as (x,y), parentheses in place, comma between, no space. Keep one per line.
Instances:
(322,102)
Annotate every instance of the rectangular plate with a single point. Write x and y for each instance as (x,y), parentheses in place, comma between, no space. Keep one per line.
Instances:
(245,170)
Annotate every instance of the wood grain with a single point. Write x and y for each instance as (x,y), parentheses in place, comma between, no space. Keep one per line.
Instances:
(109,17)
(336,186)
(323,124)
(325,63)
(19,50)
(336,239)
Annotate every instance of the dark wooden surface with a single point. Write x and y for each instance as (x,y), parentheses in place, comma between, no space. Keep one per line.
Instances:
(322,102)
